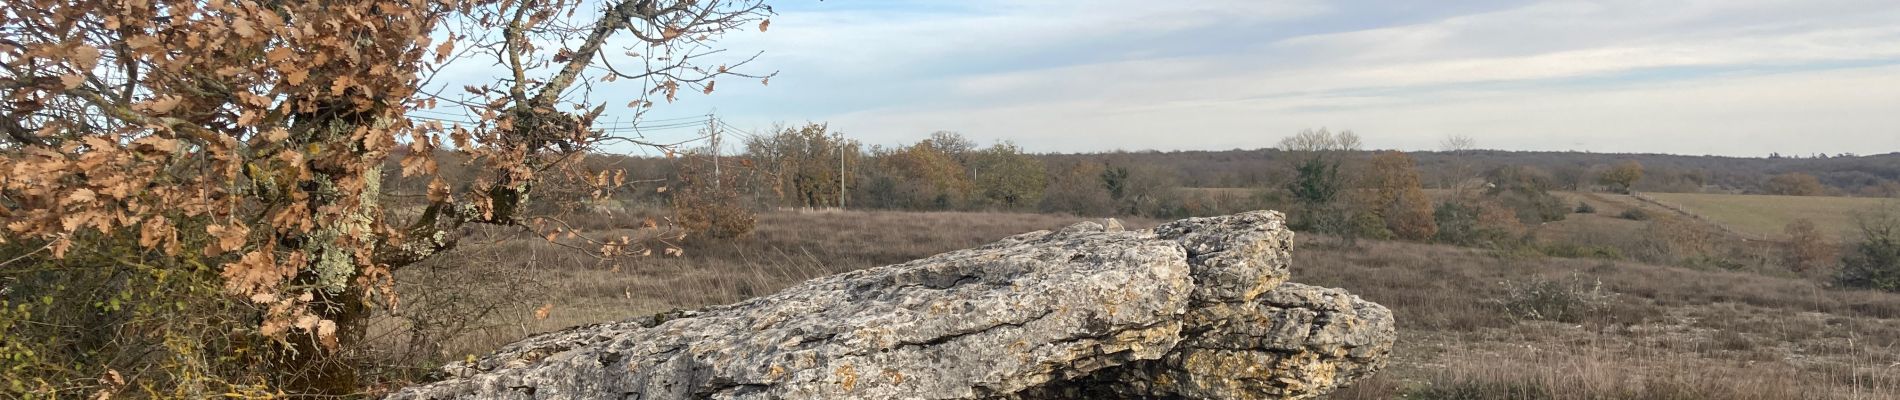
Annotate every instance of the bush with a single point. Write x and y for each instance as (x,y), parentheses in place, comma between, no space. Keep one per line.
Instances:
(1874,262)
(709,209)
(1569,301)
(1584,207)
(1476,224)
(1635,214)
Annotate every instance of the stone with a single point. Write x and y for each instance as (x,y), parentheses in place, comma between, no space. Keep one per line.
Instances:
(1294,342)
(1195,308)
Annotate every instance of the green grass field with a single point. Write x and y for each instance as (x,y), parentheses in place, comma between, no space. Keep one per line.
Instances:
(1768,215)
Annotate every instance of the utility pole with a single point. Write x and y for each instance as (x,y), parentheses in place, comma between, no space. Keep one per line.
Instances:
(712,128)
(841,172)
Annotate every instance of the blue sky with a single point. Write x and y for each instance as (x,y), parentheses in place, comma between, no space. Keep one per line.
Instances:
(1728,77)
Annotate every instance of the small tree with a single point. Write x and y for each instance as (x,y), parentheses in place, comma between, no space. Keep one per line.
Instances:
(1078,188)
(1805,249)
(1318,184)
(801,165)
(1874,262)
(1621,177)
(1008,178)
(707,201)
(1398,198)
(191,190)
(924,176)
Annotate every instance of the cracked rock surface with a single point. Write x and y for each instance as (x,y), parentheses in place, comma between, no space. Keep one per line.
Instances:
(1196,308)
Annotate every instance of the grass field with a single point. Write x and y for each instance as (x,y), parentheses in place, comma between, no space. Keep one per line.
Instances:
(1767,215)
(1658,333)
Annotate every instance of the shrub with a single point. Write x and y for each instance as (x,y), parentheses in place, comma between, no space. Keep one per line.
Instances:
(1476,223)
(708,205)
(1805,249)
(1874,262)
(1584,207)
(1568,301)
(1635,214)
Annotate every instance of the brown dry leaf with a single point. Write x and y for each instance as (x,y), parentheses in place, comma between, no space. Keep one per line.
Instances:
(229,237)
(326,334)
(163,105)
(709,86)
(308,322)
(72,81)
(81,196)
(442,50)
(85,57)
(254,273)
(279,54)
(763,25)
(542,313)
(438,190)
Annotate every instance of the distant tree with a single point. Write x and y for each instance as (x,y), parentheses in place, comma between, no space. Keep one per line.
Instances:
(1526,191)
(1008,178)
(1887,188)
(1078,187)
(1794,184)
(1460,168)
(1874,262)
(1569,177)
(1398,197)
(926,177)
(1806,249)
(1318,184)
(1622,176)
(1141,189)
(801,165)
(951,144)
(1320,141)
(1457,143)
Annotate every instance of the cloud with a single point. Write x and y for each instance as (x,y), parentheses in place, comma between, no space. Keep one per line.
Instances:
(1605,75)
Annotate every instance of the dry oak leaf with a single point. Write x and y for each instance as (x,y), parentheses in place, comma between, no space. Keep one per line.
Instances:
(229,237)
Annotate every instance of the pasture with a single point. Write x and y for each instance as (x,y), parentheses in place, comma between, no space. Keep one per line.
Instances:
(1767,215)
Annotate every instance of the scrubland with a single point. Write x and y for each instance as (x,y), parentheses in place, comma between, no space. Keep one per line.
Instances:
(1474,324)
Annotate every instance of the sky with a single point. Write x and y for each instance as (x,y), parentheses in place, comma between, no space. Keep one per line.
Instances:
(1720,77)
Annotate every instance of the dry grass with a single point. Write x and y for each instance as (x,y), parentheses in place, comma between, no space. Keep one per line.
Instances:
(1767,215)
(1669,333)
(1663,332)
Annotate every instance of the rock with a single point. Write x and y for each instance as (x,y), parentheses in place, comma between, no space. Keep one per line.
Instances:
(1194,308)
(1296,341)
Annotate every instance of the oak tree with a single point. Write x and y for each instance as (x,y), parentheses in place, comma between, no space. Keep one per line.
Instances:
(202,177)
